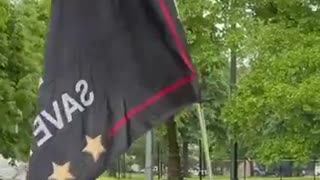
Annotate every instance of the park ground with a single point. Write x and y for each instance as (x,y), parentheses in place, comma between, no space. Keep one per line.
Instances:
(221,178)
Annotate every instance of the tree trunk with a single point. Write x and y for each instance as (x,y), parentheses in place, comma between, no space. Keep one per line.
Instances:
(185,158)
(251,164)
(123,166)
(113,170)
(174,166)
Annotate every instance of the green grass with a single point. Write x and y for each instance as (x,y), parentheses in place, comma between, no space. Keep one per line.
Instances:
(140,177)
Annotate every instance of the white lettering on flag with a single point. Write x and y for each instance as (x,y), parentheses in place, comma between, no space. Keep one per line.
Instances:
(69,105)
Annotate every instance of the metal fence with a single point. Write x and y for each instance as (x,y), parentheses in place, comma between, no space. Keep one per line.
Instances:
(128,166)
(284,169)
(247,170)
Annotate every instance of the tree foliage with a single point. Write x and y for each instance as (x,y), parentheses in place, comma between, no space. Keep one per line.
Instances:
(275,111)
(22,29)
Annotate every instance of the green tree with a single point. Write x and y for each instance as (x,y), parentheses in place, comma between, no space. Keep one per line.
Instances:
(22,30)
(275,110)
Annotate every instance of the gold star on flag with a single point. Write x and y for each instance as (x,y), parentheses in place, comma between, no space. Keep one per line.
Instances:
(94,147)
(61,172)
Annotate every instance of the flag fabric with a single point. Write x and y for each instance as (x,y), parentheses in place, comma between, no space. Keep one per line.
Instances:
(113,70)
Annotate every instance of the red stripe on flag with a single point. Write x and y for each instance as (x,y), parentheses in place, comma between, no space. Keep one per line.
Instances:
(120,123)
(172,27)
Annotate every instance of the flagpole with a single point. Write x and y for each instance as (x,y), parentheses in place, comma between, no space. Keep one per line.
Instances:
(204,139)
(176,6)
(149,152)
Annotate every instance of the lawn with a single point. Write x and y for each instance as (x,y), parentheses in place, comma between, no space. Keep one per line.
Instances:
(219,178)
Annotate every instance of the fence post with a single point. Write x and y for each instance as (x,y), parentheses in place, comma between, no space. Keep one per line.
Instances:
(314,169)
(158,159)
(280,171)
(245,169)
(200,160)
(119,168)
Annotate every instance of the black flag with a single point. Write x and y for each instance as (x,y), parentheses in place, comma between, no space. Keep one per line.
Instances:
(113,70)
